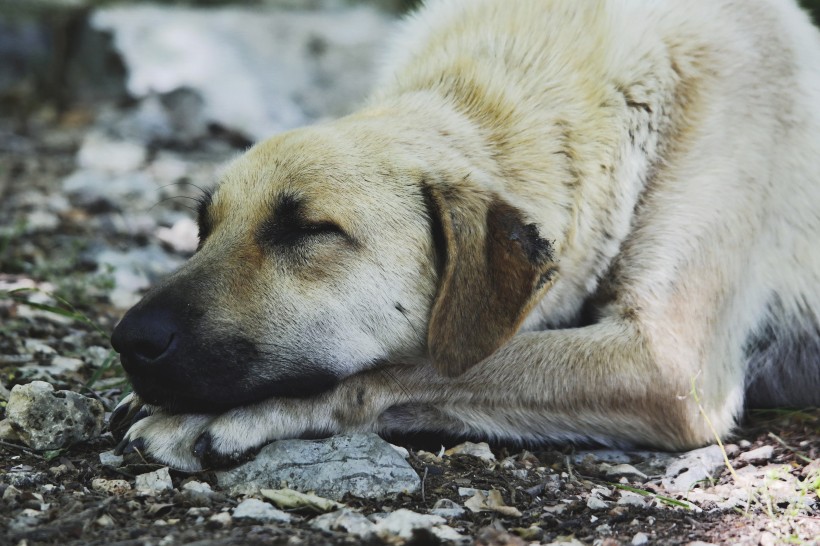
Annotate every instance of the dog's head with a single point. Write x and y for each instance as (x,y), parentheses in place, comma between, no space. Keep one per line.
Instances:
(324,252)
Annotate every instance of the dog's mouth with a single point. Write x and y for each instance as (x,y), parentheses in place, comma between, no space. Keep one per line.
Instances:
(215,393)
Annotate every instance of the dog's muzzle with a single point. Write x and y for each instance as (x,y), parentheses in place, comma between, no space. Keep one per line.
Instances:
(175,360)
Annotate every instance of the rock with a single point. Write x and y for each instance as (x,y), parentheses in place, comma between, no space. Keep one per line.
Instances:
(152,483)
(109,458)
(639,539)
(7,432)
(595,503)
(362,465)
(101,191)
(220,520)
(254,71)
(403,522)
(480,450)
(690,468)
(259,511)
(45,419)
(447,509)
(114,487)
(346,521)
(182,237)
(623,471)
(102,153)
(135,270)
(629,498)
(757,456)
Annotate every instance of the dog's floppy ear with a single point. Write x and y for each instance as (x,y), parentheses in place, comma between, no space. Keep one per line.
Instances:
(495,267)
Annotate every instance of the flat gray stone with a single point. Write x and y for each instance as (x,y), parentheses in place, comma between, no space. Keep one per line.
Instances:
(759,455)
(153,483)
(257,510)
(362,465)
(692,467)
(47,419)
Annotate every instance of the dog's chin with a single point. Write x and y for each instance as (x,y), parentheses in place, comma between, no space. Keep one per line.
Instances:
(217,398)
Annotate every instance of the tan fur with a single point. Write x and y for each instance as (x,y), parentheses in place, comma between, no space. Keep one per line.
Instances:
(666,151)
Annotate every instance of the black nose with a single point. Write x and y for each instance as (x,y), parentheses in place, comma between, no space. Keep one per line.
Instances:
(145,338)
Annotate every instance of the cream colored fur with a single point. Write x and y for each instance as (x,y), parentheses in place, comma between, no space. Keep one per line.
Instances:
(669,151)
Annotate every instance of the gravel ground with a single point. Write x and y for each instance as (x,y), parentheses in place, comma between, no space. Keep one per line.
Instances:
(53,245)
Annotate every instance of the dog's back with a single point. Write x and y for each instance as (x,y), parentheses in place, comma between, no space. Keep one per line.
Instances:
(723,122)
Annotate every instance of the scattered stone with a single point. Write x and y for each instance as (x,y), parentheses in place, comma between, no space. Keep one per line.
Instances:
(757,456)
(100,152)
(362,465)
(403,522)
(480,450)
(261,57)
(182,237)
(7,432)
(692,467)
(623,471)
(344,520)
(492,501)
(114,487)
(596,503)
(109,458)
(640,539)
(220,520)
(102,191)
(628,498)
(447,509)
(152,483)
(260,511)
(290,499)
(48,420)
(490,536)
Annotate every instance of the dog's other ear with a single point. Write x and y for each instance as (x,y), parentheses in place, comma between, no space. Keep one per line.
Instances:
(495,268)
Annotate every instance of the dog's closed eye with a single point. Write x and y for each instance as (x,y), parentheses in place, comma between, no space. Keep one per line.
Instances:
(285,234)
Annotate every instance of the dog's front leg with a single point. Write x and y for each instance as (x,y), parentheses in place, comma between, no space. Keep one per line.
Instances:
(606,383)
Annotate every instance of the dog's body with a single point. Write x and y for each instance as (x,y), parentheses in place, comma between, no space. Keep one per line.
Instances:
(554,220)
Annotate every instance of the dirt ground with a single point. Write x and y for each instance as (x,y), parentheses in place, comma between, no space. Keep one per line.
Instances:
(48,498)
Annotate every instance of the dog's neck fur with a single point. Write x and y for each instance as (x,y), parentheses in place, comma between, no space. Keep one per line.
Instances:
(604,150)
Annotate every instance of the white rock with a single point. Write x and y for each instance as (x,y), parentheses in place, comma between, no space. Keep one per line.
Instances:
(624,471)
(101,152)
(257,510)
(692,467)
(256,71)
(595,503)
(639,539)
(402,522)
(45,419)
(7,432)
(480,450)
(109,458)
(154,482)
(94,188)
(759,455)
(447,509)
(198,487)
(115,487)
(629,498)
(183,236)
(344,520)
(223,519)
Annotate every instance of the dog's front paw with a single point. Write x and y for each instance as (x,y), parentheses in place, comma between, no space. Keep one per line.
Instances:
(166,438)
(194,442)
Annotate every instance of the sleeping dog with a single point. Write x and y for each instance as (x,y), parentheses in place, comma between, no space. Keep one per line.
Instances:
(552,221)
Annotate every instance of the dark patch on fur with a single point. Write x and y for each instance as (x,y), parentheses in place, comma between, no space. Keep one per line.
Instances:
(538,251)
(436,229)
(287,225)
(203,220)
(783,359)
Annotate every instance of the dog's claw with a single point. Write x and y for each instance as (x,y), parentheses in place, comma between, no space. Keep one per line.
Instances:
(134,446)
(202,446)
